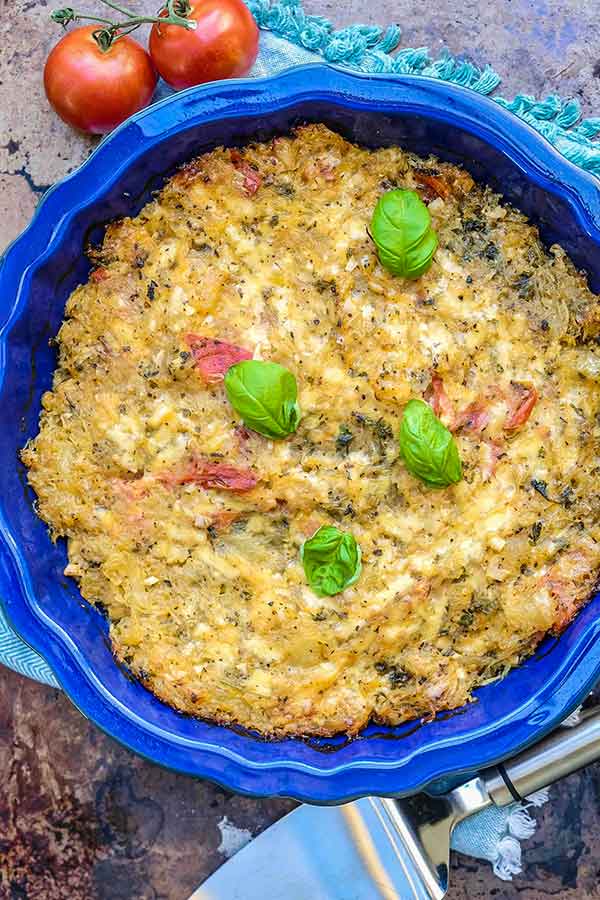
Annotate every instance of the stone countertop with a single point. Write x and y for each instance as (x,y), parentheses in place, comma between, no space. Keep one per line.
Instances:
(80,816)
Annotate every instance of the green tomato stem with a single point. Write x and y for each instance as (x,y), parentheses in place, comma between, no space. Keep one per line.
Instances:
(59,16)
(93,19)
(152,20)
(124,32)
(106,37)
(179,18)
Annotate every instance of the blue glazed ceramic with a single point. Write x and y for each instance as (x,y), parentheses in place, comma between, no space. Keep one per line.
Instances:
(44,265)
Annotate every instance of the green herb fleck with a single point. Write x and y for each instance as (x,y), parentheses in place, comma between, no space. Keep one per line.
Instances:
(522,285)
(567,497)
(381,429)
(490,251)
(466,619)
(284,189)
(396,675)
(343,440)
(541,487)
(534,534)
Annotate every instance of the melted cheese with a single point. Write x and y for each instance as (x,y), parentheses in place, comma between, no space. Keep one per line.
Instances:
(206,595)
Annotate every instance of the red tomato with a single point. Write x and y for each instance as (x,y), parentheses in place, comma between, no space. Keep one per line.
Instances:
(226,478)
(252,179)
(209,474)
(525,398)
(95,90)
(440,401)
(223,45)
(474,417)
(213,357)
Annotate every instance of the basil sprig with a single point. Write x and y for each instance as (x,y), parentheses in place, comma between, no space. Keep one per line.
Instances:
(331,560)
(265,395)
(402,232)
(427,447)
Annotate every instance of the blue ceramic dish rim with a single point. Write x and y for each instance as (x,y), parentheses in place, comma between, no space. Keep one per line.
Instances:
(274,775)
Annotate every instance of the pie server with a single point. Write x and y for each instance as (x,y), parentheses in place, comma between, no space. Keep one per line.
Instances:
(384,849)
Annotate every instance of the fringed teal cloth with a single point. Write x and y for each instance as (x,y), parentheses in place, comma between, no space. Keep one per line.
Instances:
(372,49)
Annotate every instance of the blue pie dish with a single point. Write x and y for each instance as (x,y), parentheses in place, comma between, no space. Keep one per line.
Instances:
(47,261)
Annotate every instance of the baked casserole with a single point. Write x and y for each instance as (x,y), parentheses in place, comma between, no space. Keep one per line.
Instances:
(189,528)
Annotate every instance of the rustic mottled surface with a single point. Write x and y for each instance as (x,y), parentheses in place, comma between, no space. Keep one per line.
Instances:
(82,818)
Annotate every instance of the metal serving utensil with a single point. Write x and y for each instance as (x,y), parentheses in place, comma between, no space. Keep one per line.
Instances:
(384,849)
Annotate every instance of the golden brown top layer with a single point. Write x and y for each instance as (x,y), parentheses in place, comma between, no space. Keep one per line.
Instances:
(187,527)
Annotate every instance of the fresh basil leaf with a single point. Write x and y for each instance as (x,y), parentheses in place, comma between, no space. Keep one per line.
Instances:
(402,232)
(427,447)
(265,395)
(331,560)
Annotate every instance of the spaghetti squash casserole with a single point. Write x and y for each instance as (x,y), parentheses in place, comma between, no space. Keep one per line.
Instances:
(206,540)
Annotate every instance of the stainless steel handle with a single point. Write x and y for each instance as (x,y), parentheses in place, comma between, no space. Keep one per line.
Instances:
(556,756)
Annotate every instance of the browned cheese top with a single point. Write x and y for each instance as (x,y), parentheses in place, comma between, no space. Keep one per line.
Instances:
(187,526)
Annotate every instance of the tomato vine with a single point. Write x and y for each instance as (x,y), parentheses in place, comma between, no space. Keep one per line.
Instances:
(175,12)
